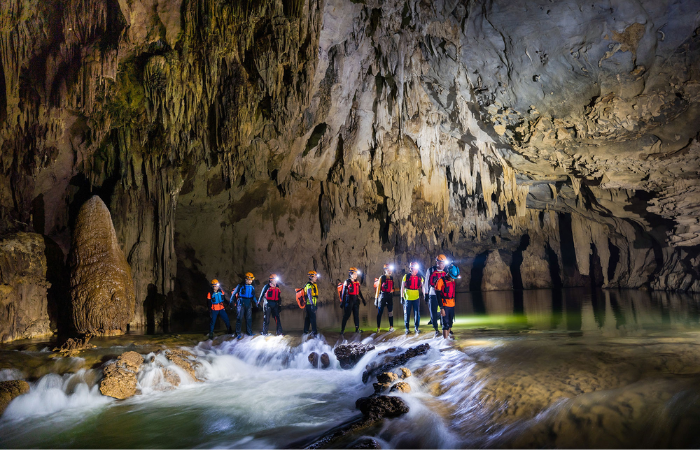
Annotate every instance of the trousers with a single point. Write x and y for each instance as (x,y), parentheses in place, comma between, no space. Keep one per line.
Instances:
(272,311)
(214,314)
(244,308)
(310,319)
(386,301)
(407,305)
(351,307)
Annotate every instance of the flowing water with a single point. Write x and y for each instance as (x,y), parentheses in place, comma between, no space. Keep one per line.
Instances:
(563,368)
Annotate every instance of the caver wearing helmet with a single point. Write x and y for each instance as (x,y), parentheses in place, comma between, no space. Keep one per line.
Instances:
(411,294)
(311,290)
(446,289)
(270,300)
(432,276)
(384,296)
(216,298)
(245,300)
(350,300)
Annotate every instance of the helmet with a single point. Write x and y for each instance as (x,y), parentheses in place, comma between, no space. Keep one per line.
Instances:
(214,282)
(353,270)
(441,258)
(313,273)
(273,277)
(414,265)
(453,271)
(249,276)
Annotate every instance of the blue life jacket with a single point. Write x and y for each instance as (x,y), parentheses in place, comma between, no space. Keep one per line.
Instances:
(245,290)
(217,298)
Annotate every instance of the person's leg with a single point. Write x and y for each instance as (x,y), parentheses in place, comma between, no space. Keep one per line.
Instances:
(406,312)
(347,310)
(313,321)
(356,314)
(389,303)
(212,322)
(249,319)
(307,319)
(276,314)
(224,316)
(239,317)
(433,303)
(266,317)
(380,310)
(416,314)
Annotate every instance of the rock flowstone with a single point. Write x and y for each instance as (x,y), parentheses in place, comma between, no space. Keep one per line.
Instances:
(9,390)
(102,290)
(349,354)
(120,379)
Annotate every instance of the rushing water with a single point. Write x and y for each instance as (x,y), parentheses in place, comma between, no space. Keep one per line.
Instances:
(567,368)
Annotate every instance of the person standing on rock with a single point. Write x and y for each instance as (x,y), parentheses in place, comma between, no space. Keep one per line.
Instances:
(384,296)
(411,295)
(311,290)
(270,299)
(350,300)
(245,297)
(446,289)
(432,276)
(216,299)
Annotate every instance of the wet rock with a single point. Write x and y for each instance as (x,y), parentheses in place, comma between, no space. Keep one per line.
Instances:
(405,372)
(72,347)
(380,387)
(381,406)
(313,359)
(387,377)
(349,354)
(120,379)
(10,390)
(395,361)
(171,377)
(102,290)
(401,386)
(497,276)
(325,361)
(366,443)
(183,359)
(23,287)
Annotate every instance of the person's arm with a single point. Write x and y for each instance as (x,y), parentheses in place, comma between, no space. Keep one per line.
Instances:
(439,291)
(359,294)
(310,293)
(378,291)
(262,294)
(422,294)
(426,284)
(403,286)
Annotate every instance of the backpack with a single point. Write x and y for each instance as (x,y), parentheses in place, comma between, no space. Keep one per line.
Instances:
(340,292)
(376,282)
(301,297)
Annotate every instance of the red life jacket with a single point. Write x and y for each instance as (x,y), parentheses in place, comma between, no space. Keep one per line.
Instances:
(273,294)
(388,285)
(352,288)
(413,282)
(435,276)
(449,290)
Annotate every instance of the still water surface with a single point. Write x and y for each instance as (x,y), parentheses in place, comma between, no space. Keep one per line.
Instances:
(545,368)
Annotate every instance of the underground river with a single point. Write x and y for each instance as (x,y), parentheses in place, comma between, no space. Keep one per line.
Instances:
(541,368)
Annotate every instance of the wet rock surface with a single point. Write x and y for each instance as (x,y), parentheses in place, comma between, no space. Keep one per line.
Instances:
(23,287)
(401,386)
(349,354)
(73,346)
(381,406)
(11,389)
(405,372)
(322,361)
(120,379)
(392,362)
(187,361)
(102,290)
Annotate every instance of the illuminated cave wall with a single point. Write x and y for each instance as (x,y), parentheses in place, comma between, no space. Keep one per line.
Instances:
(554,143)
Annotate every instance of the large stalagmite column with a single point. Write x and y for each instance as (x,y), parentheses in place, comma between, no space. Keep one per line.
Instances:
(102,290)
(497,276)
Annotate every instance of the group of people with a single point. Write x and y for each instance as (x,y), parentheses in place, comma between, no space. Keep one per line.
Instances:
(437,289)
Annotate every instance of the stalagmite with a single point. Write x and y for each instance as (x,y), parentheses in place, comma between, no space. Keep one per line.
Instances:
(497,276)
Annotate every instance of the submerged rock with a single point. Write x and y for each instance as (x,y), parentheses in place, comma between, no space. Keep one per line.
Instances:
(401,386)
(381,406)
(366,443)
(325,361)
(349,354)
(102,290)
(395,361)
(23,287)
(9,390)
(183,359)
(405,372)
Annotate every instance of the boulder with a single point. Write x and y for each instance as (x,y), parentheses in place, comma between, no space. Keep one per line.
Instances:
(349,354)
(401,386)
(102,290)
(325,361)
(120,379)
(387,377)
(11,389)
(405,372)
(381,406)
(313,359)
(72,347)
(23,287)
(497,276)
(395,361)
(366,443)
(183,359)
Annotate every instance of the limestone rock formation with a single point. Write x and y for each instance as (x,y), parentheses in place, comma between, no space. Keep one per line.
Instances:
(405,372)
(497,276)
(322,361)
(73,346)
(11,389)
(227,133)
(183,359)
(381,406)
(102,290)
(394,361)
(349,354)
(401,386)
(23,287)
(120,380)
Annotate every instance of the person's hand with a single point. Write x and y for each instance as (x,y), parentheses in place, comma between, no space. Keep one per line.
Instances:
(442,312)
(364,303)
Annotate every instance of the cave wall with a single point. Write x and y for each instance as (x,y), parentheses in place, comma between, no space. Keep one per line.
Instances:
(280,136)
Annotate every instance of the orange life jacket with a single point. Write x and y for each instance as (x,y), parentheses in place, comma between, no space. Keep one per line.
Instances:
(448,290)
(217,303)
(273,294)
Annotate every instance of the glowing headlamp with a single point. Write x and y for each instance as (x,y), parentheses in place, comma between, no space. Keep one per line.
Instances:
(391,267)
(359,272)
